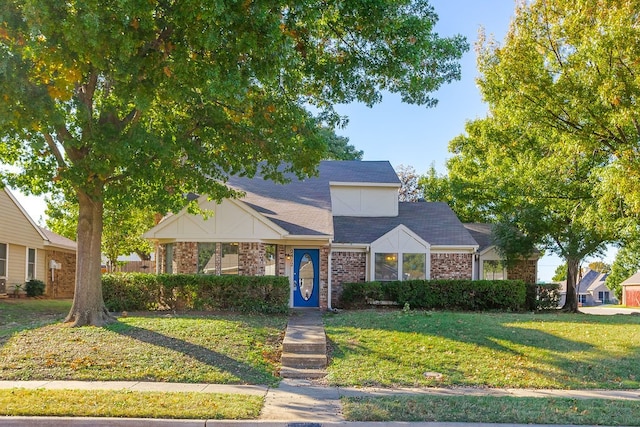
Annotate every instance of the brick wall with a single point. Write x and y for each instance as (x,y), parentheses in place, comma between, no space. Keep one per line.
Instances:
(347,267)
(251,259)
(451,266)
(524,270)
(185,257)
(324,277)
(64,280)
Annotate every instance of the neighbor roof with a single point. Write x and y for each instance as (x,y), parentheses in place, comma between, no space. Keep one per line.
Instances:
(481,233)
(633,280)
(58,240)
(590,281)
(434,222)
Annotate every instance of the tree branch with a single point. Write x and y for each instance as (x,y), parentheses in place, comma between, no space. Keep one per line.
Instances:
(54,149)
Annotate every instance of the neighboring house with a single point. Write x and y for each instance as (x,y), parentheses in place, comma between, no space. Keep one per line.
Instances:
(631,291)
(28,251)
(592,289)
(344,225)
(489,264)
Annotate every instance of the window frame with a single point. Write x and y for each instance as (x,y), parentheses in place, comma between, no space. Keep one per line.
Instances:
(31,264)
(4,261)
(388,257)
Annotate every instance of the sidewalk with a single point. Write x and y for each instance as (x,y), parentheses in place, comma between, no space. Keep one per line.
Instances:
(295,403)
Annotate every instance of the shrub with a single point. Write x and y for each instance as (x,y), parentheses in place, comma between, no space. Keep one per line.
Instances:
(548,296)
(34,288)
(440,294)
(142,291)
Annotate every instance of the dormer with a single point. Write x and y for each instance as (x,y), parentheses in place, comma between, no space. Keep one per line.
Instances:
(364,199)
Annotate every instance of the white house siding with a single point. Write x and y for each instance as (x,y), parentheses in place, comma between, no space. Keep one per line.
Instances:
(364,201)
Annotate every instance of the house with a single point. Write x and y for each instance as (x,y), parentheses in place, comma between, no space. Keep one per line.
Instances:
(489,264)
(343,225)
(631,291)
(592,289)
(28,251)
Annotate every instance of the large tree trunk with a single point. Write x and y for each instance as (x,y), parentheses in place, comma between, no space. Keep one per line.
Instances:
(571,300)
(88,306)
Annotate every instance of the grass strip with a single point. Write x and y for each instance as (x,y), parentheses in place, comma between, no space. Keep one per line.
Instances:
(491,409)
(128,404)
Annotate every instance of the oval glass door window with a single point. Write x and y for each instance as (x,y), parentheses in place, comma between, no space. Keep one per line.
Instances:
(305,276)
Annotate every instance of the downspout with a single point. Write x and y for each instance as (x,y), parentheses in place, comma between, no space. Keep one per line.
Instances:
(329,274)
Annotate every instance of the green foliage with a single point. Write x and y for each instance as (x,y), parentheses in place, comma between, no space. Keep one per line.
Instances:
(561,273)
(141,291)
(548,296)
(34,288)
(626,264)
(338,147)
(135,103)
(474,295)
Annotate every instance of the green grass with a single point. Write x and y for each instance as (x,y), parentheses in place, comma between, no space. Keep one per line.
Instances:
(393,348)
(475,409)
(226,349)
(18,315)
(128,404)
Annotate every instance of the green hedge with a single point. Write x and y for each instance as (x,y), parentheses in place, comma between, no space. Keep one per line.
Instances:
(142,291)
(475,295)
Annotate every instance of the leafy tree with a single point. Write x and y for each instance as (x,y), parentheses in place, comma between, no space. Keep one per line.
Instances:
(626,264)
(338,147)
(570,68)
(561,273)
(140,102)
(599,266)
(409,189)
(538,189)
(121,234)
(436,187)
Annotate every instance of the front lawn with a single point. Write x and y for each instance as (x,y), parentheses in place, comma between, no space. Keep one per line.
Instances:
(128,404)
(417,348)
(485,409)
(223,349)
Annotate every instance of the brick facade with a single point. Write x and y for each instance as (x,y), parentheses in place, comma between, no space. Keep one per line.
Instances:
(525,270)
(451,266)
(252,258)
(324,277)
(64,280)
(347,267)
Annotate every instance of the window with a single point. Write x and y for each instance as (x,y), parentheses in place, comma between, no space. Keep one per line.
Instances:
(3,259)
(414,266)
(582,299)
(207,258)
(229,263)
(493,270)
(386,266)
(31,263)
(168,258)
(603,296)
(270,260)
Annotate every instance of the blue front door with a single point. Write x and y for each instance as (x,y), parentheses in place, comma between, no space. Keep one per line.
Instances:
(306,272)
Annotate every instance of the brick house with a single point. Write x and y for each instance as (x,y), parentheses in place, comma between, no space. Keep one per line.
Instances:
(28,251)
(344,225)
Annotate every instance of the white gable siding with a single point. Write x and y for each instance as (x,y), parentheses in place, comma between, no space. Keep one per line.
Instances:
(227,221)
(364,201)
(400,240)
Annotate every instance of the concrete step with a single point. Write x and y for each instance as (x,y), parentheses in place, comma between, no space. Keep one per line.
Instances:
(307,361)
(299,373)
(309,347)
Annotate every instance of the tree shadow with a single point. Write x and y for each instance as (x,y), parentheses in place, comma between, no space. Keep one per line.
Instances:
(244,372)
(568,362)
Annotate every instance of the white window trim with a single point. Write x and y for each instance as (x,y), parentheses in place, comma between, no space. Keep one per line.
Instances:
(35,264)
(400,267)
(6,262)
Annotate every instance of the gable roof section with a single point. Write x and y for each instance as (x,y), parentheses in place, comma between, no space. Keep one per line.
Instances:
(58,241)
(303,207)
(591,281)
(481,233)
(633,280)
(433,222)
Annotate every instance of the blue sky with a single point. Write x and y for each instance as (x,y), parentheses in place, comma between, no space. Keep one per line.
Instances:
(413,135)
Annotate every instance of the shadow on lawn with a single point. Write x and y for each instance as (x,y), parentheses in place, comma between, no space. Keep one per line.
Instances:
(245,372)
(564,353)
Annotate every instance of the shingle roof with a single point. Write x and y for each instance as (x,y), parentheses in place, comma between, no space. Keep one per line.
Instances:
(590,280)
(58,240)
(633,280)
(481,233)
(303,207)
(434,222)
